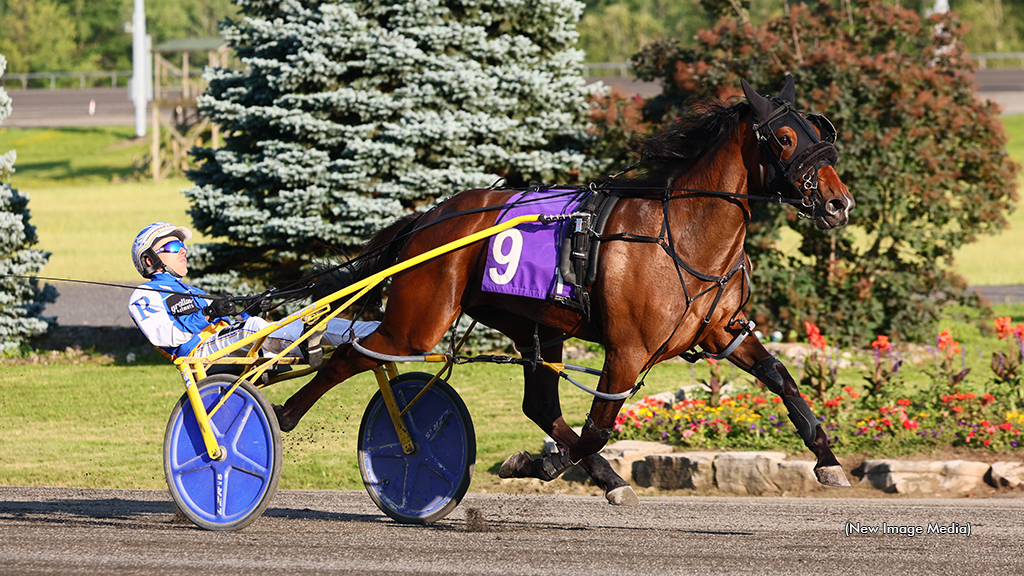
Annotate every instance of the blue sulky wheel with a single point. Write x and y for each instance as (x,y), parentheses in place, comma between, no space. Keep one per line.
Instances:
(426,485)
(230,493)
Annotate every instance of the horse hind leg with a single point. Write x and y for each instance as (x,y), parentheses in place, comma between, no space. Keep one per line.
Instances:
(542,406)
(346,362)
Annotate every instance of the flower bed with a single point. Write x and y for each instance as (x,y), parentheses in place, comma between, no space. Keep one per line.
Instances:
(883,415)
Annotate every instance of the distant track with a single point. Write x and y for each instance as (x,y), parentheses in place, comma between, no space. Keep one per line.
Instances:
(70,107)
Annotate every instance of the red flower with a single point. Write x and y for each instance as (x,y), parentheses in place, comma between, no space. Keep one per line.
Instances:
(881,343)
(910,424)
(987,442)
(957,409)
(903,402)
(947,343)
(886,422)
(1003,327)
(817,340)
(1005,426)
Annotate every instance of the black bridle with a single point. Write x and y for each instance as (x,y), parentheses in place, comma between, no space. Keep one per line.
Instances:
(814,152)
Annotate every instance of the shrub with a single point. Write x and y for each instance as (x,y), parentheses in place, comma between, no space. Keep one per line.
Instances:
(924,159)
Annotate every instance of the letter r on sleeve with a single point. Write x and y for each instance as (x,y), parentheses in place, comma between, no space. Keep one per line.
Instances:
(144,308)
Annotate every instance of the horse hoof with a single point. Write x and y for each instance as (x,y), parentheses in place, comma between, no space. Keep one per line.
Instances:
(282,424)
(832,476)
(622,496)
(514,464)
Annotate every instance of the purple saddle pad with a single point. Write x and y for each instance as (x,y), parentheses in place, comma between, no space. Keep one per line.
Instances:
(524,260)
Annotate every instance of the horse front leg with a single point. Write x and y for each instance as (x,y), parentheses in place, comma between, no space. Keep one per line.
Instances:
(541,405)
(752,357)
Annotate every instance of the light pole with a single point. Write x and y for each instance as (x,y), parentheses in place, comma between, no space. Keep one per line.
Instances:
(142,78)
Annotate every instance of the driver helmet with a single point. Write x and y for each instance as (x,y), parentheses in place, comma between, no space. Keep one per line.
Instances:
(144,241)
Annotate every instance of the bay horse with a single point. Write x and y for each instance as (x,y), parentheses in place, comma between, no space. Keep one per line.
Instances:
(672,276)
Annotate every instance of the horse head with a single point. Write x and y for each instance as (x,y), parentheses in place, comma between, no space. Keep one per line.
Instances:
(798,155)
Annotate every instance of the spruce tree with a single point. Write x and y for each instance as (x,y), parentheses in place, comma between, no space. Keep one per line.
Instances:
(349,114)
(21,300)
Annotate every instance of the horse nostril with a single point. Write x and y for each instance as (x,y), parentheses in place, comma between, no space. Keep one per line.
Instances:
(835,206)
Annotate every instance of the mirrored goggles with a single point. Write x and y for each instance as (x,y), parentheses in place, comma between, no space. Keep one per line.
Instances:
(174,246)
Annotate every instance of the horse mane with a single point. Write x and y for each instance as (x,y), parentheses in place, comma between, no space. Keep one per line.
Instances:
(675,151)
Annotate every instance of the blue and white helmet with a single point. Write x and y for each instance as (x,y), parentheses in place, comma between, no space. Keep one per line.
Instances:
(144,241)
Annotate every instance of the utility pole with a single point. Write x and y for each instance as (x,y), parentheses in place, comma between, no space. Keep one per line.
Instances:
(142,77)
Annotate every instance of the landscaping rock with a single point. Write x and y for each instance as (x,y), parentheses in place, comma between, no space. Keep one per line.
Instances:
(917,477)
(620,456)
(1006,475)
(668,398)
(795,476)
(747,473)
(690,470)
(623,454)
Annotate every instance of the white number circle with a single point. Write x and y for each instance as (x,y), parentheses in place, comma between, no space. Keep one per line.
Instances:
(508,258)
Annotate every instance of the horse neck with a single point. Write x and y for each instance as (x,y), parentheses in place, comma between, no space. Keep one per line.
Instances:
(709,224)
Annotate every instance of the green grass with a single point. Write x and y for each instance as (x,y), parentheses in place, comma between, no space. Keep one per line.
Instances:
(994,260)
(88,229)
(84,203)
(50,157)
(102,425)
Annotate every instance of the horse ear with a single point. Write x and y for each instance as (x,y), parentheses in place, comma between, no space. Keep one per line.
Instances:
(762,106)
(789,90)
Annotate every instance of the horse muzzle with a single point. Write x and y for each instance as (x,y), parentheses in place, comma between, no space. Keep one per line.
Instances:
(831,201)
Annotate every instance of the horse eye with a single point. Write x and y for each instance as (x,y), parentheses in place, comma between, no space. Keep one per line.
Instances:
(785,141)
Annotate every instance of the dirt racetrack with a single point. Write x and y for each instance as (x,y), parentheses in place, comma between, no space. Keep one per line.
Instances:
(77,531)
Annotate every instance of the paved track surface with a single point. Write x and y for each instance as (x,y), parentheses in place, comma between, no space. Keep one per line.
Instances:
(73,531)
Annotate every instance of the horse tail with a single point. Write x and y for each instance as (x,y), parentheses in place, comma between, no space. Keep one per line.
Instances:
(379,253)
